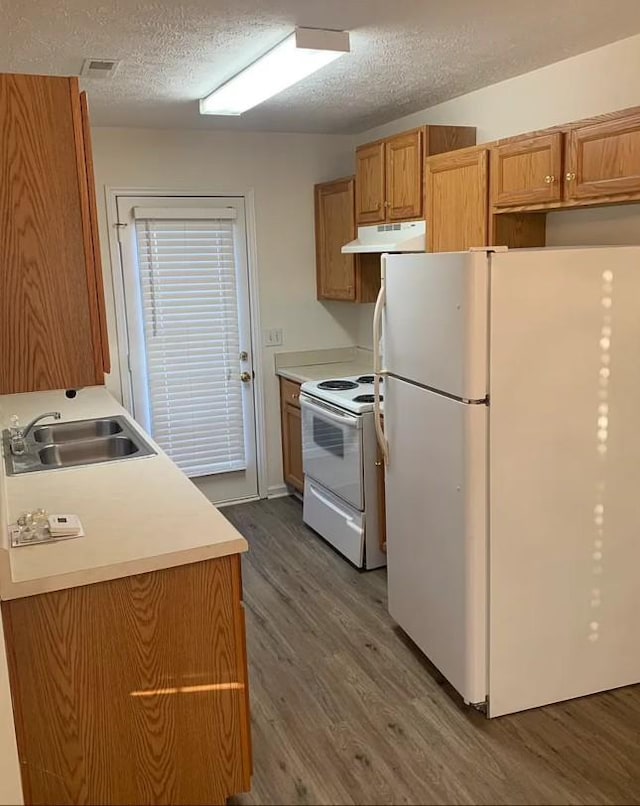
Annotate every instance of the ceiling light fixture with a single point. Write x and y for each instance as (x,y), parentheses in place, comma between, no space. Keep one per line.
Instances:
(296,57)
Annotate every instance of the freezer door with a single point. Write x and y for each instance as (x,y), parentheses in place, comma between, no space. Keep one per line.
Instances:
(565,475)
(435,321)
(436,493)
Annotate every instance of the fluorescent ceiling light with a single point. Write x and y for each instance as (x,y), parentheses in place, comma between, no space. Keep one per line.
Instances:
(295,58)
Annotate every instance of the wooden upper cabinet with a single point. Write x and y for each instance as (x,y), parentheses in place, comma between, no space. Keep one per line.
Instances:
(527,171)
(457,200)
(403,170)
(603,159)
(335,272)
(50,293)
(353,278)
(370,184)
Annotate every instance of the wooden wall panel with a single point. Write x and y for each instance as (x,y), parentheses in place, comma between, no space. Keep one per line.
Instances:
(133,691)
(45,328)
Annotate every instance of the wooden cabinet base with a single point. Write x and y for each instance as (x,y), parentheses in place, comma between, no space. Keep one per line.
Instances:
(133,691)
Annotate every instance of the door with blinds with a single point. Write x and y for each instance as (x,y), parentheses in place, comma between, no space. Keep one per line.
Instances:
(186,287)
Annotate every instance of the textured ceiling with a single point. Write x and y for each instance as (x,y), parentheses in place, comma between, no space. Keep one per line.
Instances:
(406,54)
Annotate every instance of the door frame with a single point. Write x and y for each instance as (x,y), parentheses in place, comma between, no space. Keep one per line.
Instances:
(117,281)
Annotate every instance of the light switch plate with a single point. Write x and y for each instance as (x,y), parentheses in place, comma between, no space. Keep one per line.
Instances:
(273,337)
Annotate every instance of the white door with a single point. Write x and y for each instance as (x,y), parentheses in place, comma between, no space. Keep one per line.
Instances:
(435,321)
(186,288)
(436,500)
(332,449)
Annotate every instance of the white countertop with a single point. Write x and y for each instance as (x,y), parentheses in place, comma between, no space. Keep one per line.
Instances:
(139,514)
(320,372)
(320,365)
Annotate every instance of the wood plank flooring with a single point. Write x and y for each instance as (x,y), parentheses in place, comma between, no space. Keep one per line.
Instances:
(345,710)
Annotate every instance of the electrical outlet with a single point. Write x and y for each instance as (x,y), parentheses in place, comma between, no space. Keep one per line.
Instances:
(273,337)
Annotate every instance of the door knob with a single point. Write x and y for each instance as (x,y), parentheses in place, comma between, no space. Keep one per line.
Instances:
(245,377)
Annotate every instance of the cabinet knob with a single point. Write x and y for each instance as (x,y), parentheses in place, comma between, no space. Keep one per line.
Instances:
(387,204)
(550,179)
(570,176)
(294,397)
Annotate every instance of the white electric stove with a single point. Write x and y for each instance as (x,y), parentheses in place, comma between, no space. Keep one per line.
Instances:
(341,467)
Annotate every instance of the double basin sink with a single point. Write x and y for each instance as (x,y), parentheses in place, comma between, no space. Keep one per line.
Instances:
(80,442)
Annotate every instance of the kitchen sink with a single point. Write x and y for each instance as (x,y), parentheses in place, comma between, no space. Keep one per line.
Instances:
(81,429)
(87,451)
(80,442)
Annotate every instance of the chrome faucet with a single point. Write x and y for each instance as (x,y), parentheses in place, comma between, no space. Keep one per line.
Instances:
(19,435)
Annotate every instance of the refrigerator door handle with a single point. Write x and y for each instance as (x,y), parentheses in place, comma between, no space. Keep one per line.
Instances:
(378,371)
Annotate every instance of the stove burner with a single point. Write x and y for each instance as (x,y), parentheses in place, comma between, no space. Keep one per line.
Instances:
(337,385)
(367,379)
(365,398)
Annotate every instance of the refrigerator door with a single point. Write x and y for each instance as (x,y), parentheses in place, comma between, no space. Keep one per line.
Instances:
(436,494)
(435,321)
(565,475)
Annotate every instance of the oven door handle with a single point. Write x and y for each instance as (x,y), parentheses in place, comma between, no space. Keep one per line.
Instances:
(349,420)
(330,505)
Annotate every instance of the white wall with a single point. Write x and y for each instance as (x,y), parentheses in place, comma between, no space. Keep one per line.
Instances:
(600,81)
(282,170)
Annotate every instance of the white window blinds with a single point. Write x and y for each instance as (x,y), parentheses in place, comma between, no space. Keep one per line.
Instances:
(189,302)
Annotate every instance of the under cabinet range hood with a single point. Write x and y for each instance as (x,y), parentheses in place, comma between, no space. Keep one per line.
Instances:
(410,236)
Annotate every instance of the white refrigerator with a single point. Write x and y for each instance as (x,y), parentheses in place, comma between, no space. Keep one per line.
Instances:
(512,437)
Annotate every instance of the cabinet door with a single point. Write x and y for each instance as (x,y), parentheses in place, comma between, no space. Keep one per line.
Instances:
(335,272)
(527,171)
(604,159)
(96,281)
(291,434)
(457,200)
(404,184)
(46,330)
(133,690)
(370,188)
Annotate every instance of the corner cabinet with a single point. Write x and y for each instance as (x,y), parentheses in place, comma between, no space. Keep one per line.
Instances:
(52,312)
(291,421)
(350,278)
(133,690)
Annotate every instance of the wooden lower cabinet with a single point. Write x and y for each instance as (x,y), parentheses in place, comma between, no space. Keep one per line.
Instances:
(291,419)
(133,691)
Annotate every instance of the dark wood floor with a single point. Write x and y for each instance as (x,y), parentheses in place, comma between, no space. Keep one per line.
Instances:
(346,711)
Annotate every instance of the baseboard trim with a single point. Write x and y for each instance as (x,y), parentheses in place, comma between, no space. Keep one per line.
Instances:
(278,491)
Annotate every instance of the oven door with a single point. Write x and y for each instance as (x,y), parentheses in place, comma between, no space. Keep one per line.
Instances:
(332,449)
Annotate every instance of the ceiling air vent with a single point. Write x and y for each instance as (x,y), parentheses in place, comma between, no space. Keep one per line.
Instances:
(99,68)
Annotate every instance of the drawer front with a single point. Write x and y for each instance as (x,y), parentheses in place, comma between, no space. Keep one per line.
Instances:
(339,524)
